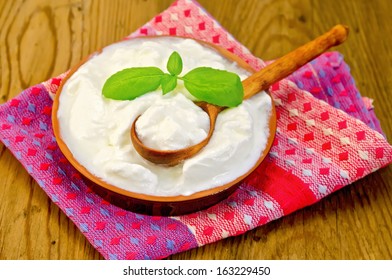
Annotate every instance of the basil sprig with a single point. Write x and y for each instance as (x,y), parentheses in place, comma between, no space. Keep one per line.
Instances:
(207,84)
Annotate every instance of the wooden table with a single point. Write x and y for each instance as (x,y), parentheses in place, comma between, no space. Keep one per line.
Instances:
(43,38)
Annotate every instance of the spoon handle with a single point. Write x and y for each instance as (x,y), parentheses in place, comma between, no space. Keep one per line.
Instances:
(292,61)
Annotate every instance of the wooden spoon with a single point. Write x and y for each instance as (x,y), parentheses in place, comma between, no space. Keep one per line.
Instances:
(257,82)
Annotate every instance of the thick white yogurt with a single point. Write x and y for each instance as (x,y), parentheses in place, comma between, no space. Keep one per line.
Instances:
(172,123)
(97,130)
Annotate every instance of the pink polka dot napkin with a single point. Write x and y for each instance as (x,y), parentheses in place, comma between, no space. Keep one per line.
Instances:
(327,138)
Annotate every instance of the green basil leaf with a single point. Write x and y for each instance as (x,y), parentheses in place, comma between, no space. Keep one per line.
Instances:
(214,86)
(169,83)
(174,64)
(130,83)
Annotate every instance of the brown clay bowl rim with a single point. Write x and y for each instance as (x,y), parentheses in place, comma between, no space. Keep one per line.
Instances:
(151,198)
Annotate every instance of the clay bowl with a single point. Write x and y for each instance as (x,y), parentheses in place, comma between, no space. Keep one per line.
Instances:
(160,205)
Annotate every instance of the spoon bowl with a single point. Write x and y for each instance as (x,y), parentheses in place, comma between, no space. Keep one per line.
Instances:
(173,157)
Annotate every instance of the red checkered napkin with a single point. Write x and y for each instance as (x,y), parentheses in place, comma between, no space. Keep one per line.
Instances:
(318,149)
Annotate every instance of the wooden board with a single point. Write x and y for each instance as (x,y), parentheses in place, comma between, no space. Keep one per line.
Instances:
(43,38)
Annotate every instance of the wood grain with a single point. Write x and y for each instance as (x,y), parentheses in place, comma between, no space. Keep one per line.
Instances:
(43,38)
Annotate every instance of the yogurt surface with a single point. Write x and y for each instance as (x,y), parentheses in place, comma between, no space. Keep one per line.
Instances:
(97,130)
